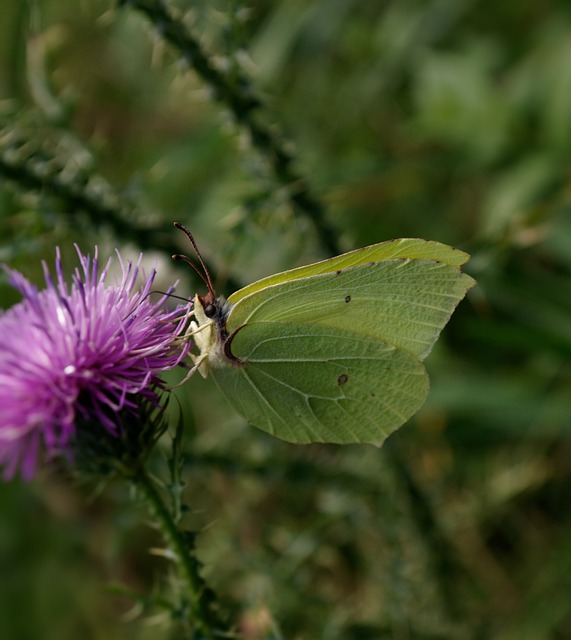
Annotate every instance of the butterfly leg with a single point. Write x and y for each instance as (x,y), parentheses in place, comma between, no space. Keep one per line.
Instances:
(197,360)
(203,338)
(193,329)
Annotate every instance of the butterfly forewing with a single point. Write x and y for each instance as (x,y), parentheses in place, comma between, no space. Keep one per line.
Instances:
(403,302)
(413,248)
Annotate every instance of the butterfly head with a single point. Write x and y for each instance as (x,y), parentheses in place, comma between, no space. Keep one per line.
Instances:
(215,310)
(211,312)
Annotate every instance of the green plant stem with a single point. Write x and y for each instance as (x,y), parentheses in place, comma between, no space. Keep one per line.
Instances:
(234,90)
(32,173)
(200,597)
(29,168)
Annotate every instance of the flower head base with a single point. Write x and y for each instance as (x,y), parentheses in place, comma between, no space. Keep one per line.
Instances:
(84,352)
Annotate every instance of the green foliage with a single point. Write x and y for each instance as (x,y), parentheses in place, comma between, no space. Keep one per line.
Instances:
(444,119)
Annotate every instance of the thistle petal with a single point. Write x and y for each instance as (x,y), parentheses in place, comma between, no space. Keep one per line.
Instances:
(84,349)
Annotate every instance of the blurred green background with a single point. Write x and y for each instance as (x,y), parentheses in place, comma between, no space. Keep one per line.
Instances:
(448,120)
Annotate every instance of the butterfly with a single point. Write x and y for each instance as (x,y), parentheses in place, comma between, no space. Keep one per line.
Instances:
(332,351)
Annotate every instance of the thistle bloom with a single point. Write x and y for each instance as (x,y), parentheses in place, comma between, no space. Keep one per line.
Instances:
(85,351)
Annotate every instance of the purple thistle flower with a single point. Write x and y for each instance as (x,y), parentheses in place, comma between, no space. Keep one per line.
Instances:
(86,351)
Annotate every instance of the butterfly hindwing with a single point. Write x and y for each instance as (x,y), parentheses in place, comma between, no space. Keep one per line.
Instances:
(312,383)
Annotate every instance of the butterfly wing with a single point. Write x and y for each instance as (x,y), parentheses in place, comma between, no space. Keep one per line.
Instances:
(403,302)
(335,356)
(413,248)
(312,383)
(332,351)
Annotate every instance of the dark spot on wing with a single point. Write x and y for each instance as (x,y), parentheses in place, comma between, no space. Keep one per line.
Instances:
(342,379)
(347,298)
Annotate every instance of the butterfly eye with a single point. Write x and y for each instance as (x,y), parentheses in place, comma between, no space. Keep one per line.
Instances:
(210,310)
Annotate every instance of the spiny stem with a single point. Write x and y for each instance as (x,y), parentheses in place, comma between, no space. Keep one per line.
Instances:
(235,91)
(38,170)
(201,599)
(28,165)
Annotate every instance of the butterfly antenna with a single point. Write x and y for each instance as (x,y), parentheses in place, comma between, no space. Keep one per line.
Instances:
(205,277)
